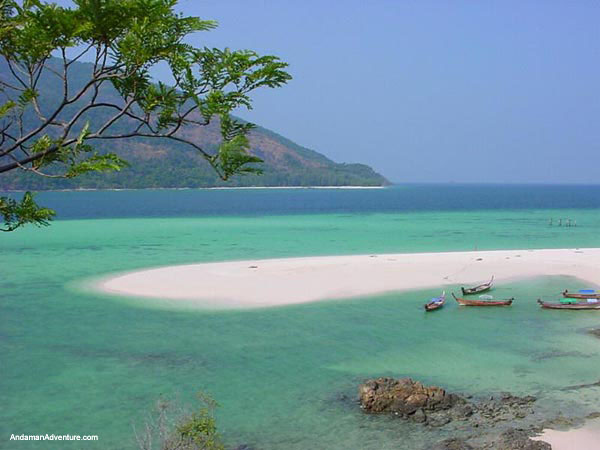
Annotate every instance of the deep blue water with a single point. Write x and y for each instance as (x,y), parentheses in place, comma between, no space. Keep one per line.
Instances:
(202,202)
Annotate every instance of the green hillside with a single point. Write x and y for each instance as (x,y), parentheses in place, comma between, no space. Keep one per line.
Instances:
(157,163)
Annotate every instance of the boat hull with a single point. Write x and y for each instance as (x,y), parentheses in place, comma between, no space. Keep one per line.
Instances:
(572,306)
(433,306)
(436,303)
(478,289)
(471,291)
(567,294)
(467,302)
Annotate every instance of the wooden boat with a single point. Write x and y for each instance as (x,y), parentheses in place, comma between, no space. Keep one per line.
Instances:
(583,294)
(436,303)
(478,289)
(570,305)
(481,302)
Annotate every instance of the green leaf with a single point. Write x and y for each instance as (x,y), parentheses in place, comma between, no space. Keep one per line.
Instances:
(27,97)
(16,214)
(233,157)
(97,163)
(6,107)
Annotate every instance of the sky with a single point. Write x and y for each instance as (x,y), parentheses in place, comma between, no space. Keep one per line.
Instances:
(429,91)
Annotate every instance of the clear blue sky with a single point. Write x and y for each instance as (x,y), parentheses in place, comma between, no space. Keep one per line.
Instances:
(499,91)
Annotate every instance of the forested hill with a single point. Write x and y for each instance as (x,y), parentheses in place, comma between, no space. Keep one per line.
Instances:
(167,164)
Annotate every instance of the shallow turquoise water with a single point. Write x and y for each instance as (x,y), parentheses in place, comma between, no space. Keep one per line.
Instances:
(75,362)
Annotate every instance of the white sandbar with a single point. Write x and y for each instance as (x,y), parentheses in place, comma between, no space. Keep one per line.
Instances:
(270,282)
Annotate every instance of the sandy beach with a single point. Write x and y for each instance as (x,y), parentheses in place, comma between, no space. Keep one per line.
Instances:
(585,438)
(272,282)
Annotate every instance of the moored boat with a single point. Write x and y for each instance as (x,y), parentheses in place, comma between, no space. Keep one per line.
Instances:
(571,304)
(582,294)
(478,289)
(482,302)
(436,302)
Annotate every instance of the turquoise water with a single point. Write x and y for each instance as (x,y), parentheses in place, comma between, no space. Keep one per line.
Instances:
(82,363)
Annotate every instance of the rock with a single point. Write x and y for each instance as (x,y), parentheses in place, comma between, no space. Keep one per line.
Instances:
(403,396)
(453,444)
(344,398)
(514,439)
(479,423)
(462,410)
(419,416)
(505,407)
(559,422)
(511,439)
(438,420)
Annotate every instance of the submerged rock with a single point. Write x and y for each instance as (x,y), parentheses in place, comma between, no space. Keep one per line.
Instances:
(453,444)
(559,422)
(514,439)
(505,407)
(511,439)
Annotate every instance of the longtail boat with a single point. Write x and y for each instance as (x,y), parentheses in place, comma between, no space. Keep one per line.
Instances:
(582,294)
(478,289)
(436,303)
(590,304)
(482,302)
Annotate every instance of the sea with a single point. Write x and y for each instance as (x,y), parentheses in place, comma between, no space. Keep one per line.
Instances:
(75,361)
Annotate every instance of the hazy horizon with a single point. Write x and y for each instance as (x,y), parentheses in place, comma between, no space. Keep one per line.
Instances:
(429,91)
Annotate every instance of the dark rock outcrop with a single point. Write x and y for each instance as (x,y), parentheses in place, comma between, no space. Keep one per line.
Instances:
(453,444)
(432,406)
(435,407)
(514,439)
(511,439)
(505,407)
(404,397)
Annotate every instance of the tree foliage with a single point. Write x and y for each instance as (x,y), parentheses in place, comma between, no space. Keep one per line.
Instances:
(173,426)
(15,213)
(124,40)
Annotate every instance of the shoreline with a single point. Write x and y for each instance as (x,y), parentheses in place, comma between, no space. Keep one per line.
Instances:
(278,282)
(213,188)
(584,437)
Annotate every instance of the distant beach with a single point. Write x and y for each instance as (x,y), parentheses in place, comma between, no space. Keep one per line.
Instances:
(274,282)
(220,188)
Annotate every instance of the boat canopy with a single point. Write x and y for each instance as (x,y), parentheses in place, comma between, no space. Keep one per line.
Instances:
(568,301)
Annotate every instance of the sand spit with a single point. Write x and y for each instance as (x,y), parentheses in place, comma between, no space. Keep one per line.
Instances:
(273,282)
